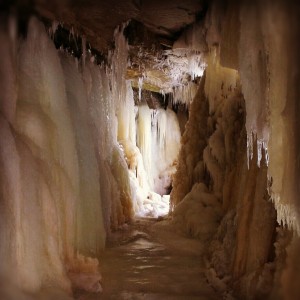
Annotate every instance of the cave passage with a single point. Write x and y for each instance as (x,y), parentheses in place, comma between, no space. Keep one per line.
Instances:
(149,149)
(147,260)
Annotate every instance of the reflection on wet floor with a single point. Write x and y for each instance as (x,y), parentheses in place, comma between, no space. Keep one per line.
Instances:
(139,265)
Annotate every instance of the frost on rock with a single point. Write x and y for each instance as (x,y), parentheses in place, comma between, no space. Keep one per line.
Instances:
(219,190)
(220,81)
(181,67)
(191,148)
(198,213)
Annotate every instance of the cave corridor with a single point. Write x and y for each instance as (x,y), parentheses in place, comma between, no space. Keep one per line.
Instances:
(149,149)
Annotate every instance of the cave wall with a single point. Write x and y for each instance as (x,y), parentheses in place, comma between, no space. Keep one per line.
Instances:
(237,181)
(246,154)
(74,154)
(64,178)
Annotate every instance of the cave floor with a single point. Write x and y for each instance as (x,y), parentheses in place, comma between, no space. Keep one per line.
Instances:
(149,260)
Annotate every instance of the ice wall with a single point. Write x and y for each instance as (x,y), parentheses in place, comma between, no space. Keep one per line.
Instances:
(25,249)
(88,216)
(103,127)
(74,160)
(43,122)
(64,178)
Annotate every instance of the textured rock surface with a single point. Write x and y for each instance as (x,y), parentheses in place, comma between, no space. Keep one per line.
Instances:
(94,18)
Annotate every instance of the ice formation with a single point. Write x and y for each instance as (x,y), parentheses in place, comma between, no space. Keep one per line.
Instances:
(89,226)
(191,148)
(75,162)
(158,141)
(184,93)
(251,56)
(219,80)
(199,212)
(268,99)
(166,143)
(213,185)
(251,74)
(179,65)
(78,158)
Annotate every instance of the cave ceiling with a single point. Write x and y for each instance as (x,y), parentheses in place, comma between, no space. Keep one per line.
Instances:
(154,26)
(97,19)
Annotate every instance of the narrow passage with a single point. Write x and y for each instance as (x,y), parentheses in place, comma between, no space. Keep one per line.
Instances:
(148,260)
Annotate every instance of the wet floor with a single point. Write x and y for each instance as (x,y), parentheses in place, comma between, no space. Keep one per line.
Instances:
(147,260)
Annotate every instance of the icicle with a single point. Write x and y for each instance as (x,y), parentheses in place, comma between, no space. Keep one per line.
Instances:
(140,85)
(54,27)
(71,34)
(144,138)
(259,151)
(83,42)
(196,65)
(184,93)
(249,149)
(266,154)
(119,60)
